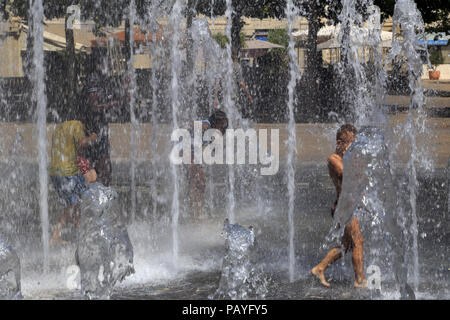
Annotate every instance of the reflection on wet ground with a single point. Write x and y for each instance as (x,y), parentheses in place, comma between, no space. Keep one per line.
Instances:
(261,204)
(198,275)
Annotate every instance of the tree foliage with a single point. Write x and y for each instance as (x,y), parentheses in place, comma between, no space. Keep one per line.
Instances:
(251,8)
(279,57)
(103,12)
(222,39)
(279,36)
(436,56)
(52,8)
(435,13)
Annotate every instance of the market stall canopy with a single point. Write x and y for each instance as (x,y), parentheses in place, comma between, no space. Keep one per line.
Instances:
(139,37)
(436,39)
(334,44)
(324,34)
(255,48)
(328,33)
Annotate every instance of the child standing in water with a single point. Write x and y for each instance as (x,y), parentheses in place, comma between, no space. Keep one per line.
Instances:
(67,141)
(352,239)
(197,185)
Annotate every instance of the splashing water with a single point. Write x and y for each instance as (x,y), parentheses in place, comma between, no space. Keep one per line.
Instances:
(368,192)
(407,46)
(213,17)
(156,53)
(209,55)
(1,42)
(229,106)
(291,12)
(240,278)
(40,99)
(356,36)
(134,122)
(160,239)
(176,16)
(104,252)
(9,267)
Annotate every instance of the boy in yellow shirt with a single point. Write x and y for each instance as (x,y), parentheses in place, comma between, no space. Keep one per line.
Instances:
(67,141)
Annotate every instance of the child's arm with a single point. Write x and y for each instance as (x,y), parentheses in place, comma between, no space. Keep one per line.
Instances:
(335,169)
(247,92)
(84,142)
(335,165)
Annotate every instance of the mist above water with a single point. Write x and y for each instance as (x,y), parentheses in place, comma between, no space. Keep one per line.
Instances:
(168,244)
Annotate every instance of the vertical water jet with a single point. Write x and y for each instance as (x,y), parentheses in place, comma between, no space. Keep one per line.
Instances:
(408,19)
(355,36)
(40,100)
(229,106)
(133,120)
(175,18)
(294,72)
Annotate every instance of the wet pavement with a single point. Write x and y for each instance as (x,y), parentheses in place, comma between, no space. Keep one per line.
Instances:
(202,248)
(261,202)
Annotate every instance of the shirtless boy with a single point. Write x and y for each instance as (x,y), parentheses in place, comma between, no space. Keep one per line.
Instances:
(352,239)
(218,120)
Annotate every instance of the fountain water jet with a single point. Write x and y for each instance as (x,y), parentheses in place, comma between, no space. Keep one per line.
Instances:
(240,278)
(354,38)
(155,50)
(197,240)
(291,12)
(229,106)
(134,122)
(175,18)
(40,99)
(367,96)
(154,131)
(408,18)
(368,192)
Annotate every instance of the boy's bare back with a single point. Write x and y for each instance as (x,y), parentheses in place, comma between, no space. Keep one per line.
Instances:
(344,138)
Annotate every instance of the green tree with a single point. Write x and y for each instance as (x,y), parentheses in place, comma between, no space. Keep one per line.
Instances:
(222,39)
(52,9)
(314,11)
(435,13)
(250,8)
(280,37)
(436,57)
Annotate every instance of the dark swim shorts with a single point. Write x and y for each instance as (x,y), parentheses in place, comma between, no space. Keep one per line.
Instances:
(69,188)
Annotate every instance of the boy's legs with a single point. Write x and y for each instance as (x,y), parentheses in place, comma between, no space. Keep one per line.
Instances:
(357,253)
(319,270)
(197,187)
(65,217)
(70,190)
(352,240)
(197,200)
(333,255)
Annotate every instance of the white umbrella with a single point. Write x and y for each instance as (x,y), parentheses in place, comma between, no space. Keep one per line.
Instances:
(256,48)
(334,44)
(333,32)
